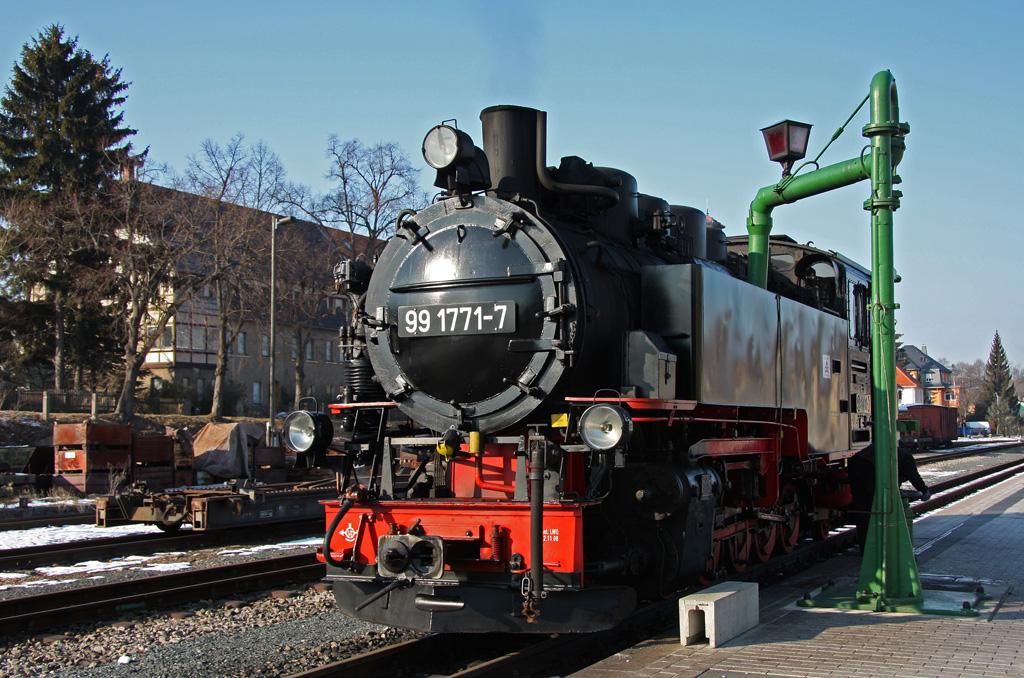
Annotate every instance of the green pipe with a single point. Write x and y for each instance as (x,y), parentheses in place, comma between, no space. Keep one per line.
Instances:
(759,221)
(888,569)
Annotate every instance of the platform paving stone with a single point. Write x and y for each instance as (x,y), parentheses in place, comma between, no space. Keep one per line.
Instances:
(977,539)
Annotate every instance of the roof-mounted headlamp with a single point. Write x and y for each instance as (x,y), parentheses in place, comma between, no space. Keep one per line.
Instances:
(461,166)
(444,146)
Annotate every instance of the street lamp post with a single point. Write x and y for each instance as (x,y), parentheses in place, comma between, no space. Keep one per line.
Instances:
(271,396)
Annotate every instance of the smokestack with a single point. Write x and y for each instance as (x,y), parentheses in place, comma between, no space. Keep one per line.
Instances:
(510,142)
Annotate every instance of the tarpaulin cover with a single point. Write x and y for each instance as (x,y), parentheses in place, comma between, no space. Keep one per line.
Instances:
(222,450)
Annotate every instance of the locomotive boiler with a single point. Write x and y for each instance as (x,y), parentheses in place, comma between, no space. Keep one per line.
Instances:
(565,397)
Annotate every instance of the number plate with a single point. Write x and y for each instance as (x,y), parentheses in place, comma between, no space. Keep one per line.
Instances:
(439,320)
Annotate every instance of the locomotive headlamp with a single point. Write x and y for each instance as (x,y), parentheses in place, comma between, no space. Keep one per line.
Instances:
(444,146)
(604,427)
(308,432)
(786,142)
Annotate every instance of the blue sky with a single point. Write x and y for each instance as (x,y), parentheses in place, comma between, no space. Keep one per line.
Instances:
(672,92)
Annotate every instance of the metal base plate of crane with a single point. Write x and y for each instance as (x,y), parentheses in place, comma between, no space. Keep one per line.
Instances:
(942,596)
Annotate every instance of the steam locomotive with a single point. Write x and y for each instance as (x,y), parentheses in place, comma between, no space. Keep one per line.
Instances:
(563,397)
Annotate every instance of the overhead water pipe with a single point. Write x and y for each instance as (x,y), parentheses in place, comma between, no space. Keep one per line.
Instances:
(759,220)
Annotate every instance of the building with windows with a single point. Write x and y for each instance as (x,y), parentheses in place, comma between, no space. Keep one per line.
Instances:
(922,380)
(308,314)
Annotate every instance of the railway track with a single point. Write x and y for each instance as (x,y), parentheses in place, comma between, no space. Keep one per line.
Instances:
(959,454)
(134,544)
(560,655)
(47,610)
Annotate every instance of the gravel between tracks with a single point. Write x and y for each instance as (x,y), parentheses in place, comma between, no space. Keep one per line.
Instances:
(265,636)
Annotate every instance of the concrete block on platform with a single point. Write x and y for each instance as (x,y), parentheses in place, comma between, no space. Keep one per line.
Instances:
(719,613)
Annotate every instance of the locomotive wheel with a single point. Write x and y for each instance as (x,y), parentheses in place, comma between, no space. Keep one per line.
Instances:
(820,529)
(738,551)
(763,541)
(789,531)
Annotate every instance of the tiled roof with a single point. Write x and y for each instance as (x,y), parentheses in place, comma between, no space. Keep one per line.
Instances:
(914,358)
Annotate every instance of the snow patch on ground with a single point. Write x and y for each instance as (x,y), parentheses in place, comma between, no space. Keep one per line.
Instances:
(40,536)
(298,543)
(94,569)
(49,502)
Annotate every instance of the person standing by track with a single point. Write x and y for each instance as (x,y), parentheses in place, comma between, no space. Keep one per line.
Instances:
(861,470)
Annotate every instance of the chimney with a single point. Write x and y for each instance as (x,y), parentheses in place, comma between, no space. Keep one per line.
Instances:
(924,349)
(129,167)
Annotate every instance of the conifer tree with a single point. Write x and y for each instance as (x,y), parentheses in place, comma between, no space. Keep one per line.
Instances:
(61,141)
(999,397)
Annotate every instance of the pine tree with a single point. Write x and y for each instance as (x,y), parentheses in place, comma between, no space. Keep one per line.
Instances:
(999,397)
(61,142)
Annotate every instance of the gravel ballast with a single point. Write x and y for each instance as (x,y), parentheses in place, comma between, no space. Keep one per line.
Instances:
(265,636)
(252,634)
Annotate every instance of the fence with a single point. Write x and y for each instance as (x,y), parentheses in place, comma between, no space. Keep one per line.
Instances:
(64,401)
(80,402)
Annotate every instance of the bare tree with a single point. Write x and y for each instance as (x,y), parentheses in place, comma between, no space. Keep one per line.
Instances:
(239,183)
(153,275)
(970,377)
(65,296)
(305,299)
(373,184)
(26,324)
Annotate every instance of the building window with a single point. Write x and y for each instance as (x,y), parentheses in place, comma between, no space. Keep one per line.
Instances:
(257,393)
(295,348)
(237,347)
(950,396)
(192,337)
(309,350)
(164,340)
(265,346)
(329,351)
